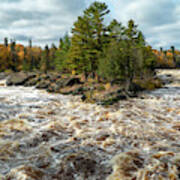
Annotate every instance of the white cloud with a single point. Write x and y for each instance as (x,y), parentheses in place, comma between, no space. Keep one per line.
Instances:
(45,21)
(159,20)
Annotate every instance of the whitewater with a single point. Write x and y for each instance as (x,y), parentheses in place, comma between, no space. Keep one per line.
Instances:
(41,134)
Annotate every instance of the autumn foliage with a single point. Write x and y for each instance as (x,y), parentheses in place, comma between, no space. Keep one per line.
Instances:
(167,58)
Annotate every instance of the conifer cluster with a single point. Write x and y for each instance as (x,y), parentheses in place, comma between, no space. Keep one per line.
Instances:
(107,51)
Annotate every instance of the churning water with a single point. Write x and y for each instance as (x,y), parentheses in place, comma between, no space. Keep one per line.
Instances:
(38,129)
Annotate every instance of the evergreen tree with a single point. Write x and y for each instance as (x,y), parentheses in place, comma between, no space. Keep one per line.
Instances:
(13,56)
(161,49)
(45,63)
(31,57)
(174,55)
(61,54)
(52,57)
(126,55)
(25,62)
(88,38)
(115,30)
(6,42)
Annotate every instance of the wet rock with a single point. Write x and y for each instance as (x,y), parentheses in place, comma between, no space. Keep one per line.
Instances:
(166,79)
(43,84)
(68,82)
(80,90)
(44,76)
(112,98)
(135,88)
(83,97)
(32,82)
(61,82)
(132,94)
(74,90)
(53,87)
(54,77)
(72,81)
(19,78)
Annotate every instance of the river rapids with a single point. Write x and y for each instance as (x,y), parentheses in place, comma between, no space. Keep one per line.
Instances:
(51,136)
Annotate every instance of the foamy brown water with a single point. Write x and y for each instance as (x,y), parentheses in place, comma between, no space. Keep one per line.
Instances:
(37,128)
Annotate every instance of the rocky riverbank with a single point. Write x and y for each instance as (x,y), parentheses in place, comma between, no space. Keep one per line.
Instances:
(90,90)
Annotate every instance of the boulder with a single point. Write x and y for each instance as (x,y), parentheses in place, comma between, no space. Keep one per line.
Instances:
(44,76)
(83,97)
(32,82)
(53,87)
(74,90)
(135,88)
(19,78)
(112,98)
(54,77)
(43,84)
(64,82)
(72,81)
(79,91)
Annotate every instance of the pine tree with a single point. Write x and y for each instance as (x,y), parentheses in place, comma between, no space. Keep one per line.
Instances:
(13,56)
(25,62)
(6,42)
(115,30)
(61,54)
(31,57)
(161,49)
(88,39)
(79,52)
(52,56)
(174,55)
(45,63)
(126,56)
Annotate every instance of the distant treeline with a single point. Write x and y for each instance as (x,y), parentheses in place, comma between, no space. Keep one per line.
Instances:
(167,58)
(108,52)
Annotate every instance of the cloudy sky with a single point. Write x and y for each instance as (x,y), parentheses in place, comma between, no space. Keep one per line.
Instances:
(45,21)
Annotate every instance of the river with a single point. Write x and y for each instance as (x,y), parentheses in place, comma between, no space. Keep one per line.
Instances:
(39,130)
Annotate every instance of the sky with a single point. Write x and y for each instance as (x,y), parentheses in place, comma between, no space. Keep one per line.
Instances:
(45,21)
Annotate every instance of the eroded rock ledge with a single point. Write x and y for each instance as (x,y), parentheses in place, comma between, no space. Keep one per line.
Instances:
(90,90)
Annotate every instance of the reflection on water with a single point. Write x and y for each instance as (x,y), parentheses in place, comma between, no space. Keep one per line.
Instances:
(39,130)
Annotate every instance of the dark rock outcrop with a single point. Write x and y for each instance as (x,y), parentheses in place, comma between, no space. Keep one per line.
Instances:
(32,82)
(72,81)
(19,78)
(135,88)
(53,88)
(43,84)
(112,98)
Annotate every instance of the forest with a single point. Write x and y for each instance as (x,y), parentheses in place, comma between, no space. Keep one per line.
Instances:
(105,51)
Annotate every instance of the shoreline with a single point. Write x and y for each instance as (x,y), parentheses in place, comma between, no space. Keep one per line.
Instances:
(90,90)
